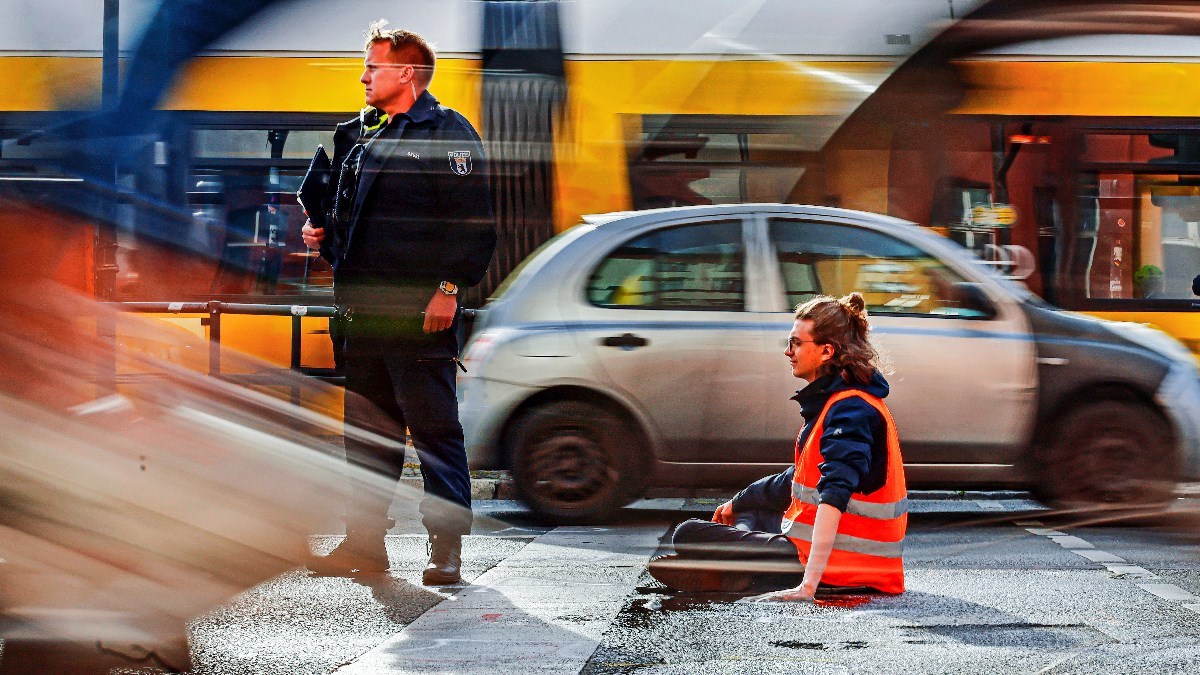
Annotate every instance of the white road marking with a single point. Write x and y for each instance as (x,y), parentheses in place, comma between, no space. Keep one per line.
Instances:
(1044,532)
(1131,571)
(543,609)
(991,505)
(1098,556)
(1117,566)
(1167,591)
(1071,542)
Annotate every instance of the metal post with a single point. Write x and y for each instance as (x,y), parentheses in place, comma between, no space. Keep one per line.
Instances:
(110,68)
(106,368)
(214,338)
(295,342)
(104,242)
(104,272)
(296,335)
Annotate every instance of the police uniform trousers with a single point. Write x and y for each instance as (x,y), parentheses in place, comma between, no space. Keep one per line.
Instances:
(397,379)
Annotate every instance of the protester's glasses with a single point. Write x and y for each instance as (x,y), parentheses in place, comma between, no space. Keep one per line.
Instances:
(794,343)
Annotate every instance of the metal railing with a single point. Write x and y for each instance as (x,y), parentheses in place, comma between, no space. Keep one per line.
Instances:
(215,309)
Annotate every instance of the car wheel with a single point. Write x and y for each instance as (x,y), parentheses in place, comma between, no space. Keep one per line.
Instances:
(571,461)
(1111,453)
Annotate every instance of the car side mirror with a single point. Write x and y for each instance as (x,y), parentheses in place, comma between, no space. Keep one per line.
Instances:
(1196,285)
(973,302)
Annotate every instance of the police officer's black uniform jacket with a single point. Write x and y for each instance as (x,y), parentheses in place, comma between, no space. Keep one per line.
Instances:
(410,207)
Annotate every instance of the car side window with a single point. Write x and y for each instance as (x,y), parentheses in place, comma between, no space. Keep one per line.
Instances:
(894,277)
(699,267)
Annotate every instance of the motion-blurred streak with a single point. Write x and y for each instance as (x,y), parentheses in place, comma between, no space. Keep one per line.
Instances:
(178,30)
(523,96)
(929,84)
(126,509)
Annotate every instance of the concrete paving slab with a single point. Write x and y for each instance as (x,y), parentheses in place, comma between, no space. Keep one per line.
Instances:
(557,655)
(301,624)
(533,623)
(508,573)
(526,619)
(558,556)
(531,592)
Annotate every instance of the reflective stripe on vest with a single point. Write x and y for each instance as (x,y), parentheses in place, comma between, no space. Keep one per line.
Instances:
(876,510)
(844,542)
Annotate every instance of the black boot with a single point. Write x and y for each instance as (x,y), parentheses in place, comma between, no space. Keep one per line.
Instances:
(363,551)
(445,559)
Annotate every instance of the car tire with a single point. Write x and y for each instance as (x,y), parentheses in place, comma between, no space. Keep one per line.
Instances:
(1112,453)
(572,462)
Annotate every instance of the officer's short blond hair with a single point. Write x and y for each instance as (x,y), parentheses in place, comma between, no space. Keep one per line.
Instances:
(409,46)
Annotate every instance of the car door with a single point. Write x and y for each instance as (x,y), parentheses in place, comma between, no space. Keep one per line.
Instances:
(961,365)
(665,317)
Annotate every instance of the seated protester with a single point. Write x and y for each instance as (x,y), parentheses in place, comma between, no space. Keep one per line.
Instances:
(839,515)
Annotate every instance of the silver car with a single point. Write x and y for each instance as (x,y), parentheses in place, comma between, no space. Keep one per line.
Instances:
(642,350)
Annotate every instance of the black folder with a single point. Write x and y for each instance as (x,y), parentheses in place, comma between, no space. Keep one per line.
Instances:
(311,194)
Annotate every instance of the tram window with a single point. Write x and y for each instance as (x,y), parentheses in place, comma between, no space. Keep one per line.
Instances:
(257,143)
(242,184)
(1142,148)
(696,159)
(894,277)
(252,228)
(1140,235)
(722,186)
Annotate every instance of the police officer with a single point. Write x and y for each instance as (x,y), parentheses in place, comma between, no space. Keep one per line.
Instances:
(412,224)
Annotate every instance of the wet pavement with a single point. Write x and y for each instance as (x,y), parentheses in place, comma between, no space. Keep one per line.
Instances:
(996,585)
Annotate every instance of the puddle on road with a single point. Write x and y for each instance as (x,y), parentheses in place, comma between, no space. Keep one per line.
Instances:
(792,644)
(1022,635)
(660,599)
(842,601)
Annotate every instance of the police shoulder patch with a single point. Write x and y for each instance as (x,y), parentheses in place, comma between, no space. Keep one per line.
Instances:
(460,162)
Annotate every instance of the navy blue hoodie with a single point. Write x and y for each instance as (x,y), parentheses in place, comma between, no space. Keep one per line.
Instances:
(854,445)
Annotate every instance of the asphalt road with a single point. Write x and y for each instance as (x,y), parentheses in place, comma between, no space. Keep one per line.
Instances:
(994,586)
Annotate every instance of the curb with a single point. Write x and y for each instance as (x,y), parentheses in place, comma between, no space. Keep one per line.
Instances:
(481,488)
(502,488)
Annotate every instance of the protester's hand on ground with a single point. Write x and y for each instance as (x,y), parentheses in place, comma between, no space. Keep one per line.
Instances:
(801,593)
(724,514)
(312,236)
(439,313)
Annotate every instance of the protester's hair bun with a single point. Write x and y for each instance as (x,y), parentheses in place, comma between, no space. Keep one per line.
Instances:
(856,310)
(855,303)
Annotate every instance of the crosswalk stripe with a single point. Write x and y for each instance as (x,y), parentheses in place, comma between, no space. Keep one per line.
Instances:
(544,609)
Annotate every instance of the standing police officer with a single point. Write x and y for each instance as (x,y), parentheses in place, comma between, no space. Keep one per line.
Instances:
(412,223)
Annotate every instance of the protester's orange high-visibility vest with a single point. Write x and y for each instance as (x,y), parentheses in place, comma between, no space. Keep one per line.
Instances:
(870,536)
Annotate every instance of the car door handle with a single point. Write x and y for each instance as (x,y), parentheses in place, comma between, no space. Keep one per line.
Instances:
(628,340)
